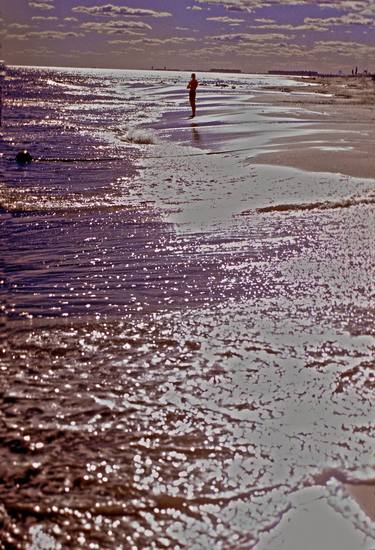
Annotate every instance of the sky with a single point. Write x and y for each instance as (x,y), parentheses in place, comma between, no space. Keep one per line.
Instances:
(250,35)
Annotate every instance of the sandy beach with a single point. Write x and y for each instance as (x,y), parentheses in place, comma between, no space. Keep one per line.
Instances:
(341,139)
(340,135)
(189,317)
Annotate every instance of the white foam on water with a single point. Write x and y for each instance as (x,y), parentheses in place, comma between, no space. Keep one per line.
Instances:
(141,136)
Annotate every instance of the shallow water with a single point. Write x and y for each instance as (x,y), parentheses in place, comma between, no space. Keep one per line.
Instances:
(189,336)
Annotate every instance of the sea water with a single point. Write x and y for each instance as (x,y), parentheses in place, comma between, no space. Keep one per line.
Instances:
(188,335)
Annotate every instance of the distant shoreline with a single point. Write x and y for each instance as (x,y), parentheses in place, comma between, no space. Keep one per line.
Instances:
(292,74)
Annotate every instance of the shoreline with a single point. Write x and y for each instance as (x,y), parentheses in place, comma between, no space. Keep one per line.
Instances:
(334,140)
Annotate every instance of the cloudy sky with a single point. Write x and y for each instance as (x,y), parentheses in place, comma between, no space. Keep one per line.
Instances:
(252,35)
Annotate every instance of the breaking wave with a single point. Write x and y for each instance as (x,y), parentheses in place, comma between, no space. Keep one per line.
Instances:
(326,205)
(141,136)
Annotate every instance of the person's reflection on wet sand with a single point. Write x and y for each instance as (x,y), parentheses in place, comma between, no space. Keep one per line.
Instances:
(195,133)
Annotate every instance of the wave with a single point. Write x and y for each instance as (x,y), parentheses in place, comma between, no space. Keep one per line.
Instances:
(14,200)
(326,205)
(141,136)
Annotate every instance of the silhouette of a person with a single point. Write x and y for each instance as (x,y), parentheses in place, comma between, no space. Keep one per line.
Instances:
(192,87)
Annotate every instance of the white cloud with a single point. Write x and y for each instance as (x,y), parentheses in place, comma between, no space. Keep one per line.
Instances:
(38,51)
(114,27)
(155,41)
(288,27)
(238,5)
(55,35)
(43,35)
(343,48)
(20,37)
(18,26)
(246,38)
(347,19)
(43,18)
(366,7)
(41,5)
(226,20)
(109,10)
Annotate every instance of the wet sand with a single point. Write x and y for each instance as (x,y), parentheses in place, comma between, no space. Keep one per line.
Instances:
(364,494)
(340,126)
(341,140)
(344,106)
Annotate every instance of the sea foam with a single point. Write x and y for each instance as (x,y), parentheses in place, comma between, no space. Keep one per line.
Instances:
(141,136)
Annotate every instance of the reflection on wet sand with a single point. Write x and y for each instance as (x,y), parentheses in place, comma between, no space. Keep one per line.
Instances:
(195,133)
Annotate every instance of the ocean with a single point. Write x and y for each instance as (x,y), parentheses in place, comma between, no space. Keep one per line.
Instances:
(187,335)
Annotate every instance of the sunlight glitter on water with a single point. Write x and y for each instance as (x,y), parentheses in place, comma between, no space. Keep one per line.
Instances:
(190,338)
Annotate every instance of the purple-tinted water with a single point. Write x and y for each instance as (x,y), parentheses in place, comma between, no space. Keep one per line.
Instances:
(188,337)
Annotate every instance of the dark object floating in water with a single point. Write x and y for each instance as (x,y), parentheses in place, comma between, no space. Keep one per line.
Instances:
(23,157)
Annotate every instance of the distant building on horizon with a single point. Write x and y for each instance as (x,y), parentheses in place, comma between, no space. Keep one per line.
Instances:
(295,73)
(225,71)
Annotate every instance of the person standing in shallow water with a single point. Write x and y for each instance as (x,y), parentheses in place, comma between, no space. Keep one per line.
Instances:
(192,87)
